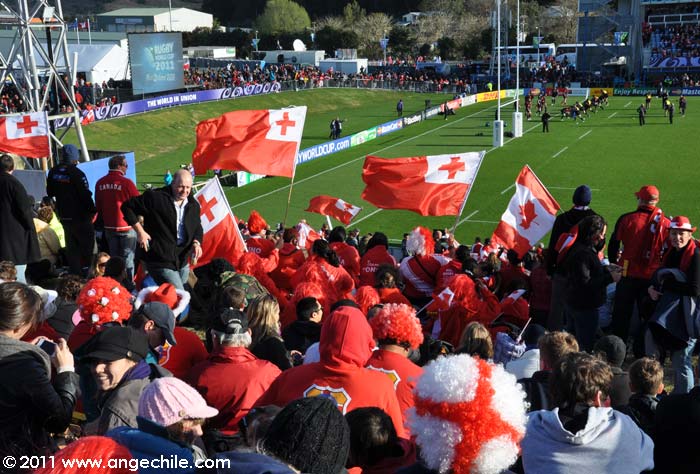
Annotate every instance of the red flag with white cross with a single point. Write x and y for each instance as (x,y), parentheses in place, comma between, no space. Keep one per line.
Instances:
(257,141)
(334,207)
(530,214)
(429,185)
(222,238)
(25,134)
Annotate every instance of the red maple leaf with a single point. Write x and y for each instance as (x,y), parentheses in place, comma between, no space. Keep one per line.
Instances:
(528,214)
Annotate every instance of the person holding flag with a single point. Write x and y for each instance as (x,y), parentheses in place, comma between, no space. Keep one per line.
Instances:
(587,280)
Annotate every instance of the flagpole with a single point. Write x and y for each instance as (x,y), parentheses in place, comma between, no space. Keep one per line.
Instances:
(543,186)
(289,199)
(230,212)
(294,173)
(466,196)
(328,220)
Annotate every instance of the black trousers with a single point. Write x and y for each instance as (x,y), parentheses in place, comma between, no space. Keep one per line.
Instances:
(630,291)
(80,244)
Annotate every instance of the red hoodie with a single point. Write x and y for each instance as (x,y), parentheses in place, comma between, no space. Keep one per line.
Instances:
(291,258)
(402,372)
(231,380)
(349,259)
(260,246)
(345,347)
(371,261)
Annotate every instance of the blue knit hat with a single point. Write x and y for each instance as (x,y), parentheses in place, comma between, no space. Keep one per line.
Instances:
(582,196)
(70,153)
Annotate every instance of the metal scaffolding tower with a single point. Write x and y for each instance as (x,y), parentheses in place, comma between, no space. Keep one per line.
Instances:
(38,63)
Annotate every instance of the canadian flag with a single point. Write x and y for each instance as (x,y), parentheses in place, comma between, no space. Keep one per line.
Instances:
(429,185)
(222,239)
(257,141)
(334,207)
(530,214)
(443,300)
(306,235)
(25,134)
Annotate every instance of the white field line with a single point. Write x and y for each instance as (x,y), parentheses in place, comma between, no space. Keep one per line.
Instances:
(467,218)
(585,134)
(628,104)
(365,217)
(560,152)
(482,222)
(612,115)
(506,190)
(354,160)
(570,189)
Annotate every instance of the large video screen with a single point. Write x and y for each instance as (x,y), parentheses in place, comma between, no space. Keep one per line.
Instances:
(156,62)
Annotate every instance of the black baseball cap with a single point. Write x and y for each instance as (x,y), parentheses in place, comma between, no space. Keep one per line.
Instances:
(231,321)
(162,316)
(114,343)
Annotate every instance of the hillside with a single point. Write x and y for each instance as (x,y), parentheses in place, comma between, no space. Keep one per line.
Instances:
(82,8)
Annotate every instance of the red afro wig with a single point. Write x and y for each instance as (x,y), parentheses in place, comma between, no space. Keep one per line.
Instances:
(420,242)
(256,223)
(103,300)
(397,322)
(366,297)
(91,447)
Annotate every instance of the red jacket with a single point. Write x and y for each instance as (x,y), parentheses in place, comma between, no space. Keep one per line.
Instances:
(481,306)
(291,258)
(392,295)
(447,273)
(403,375)
(231,380)
(260,246)
(111,191)
(371,260)
(345,347)
(349,259)
(420,274)
(188,352)
(634,231)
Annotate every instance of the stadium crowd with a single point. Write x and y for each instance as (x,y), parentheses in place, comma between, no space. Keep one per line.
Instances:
(323,351)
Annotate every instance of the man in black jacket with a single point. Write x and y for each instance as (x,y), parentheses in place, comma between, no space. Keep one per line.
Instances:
(587,280)
(564,224)
(18,240)
(171,231)
(68,185)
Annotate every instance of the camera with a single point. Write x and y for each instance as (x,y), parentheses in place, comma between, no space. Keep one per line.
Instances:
(47,346)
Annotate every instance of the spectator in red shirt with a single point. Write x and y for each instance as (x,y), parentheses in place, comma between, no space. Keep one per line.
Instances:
(345,348)
(257,243)
(398,331)
(376,254)
(347,254)
(232,378)
(290,259)
(111,191)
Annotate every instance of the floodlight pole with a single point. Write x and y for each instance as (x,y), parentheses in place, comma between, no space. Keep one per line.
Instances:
(517,115)
(498,123)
